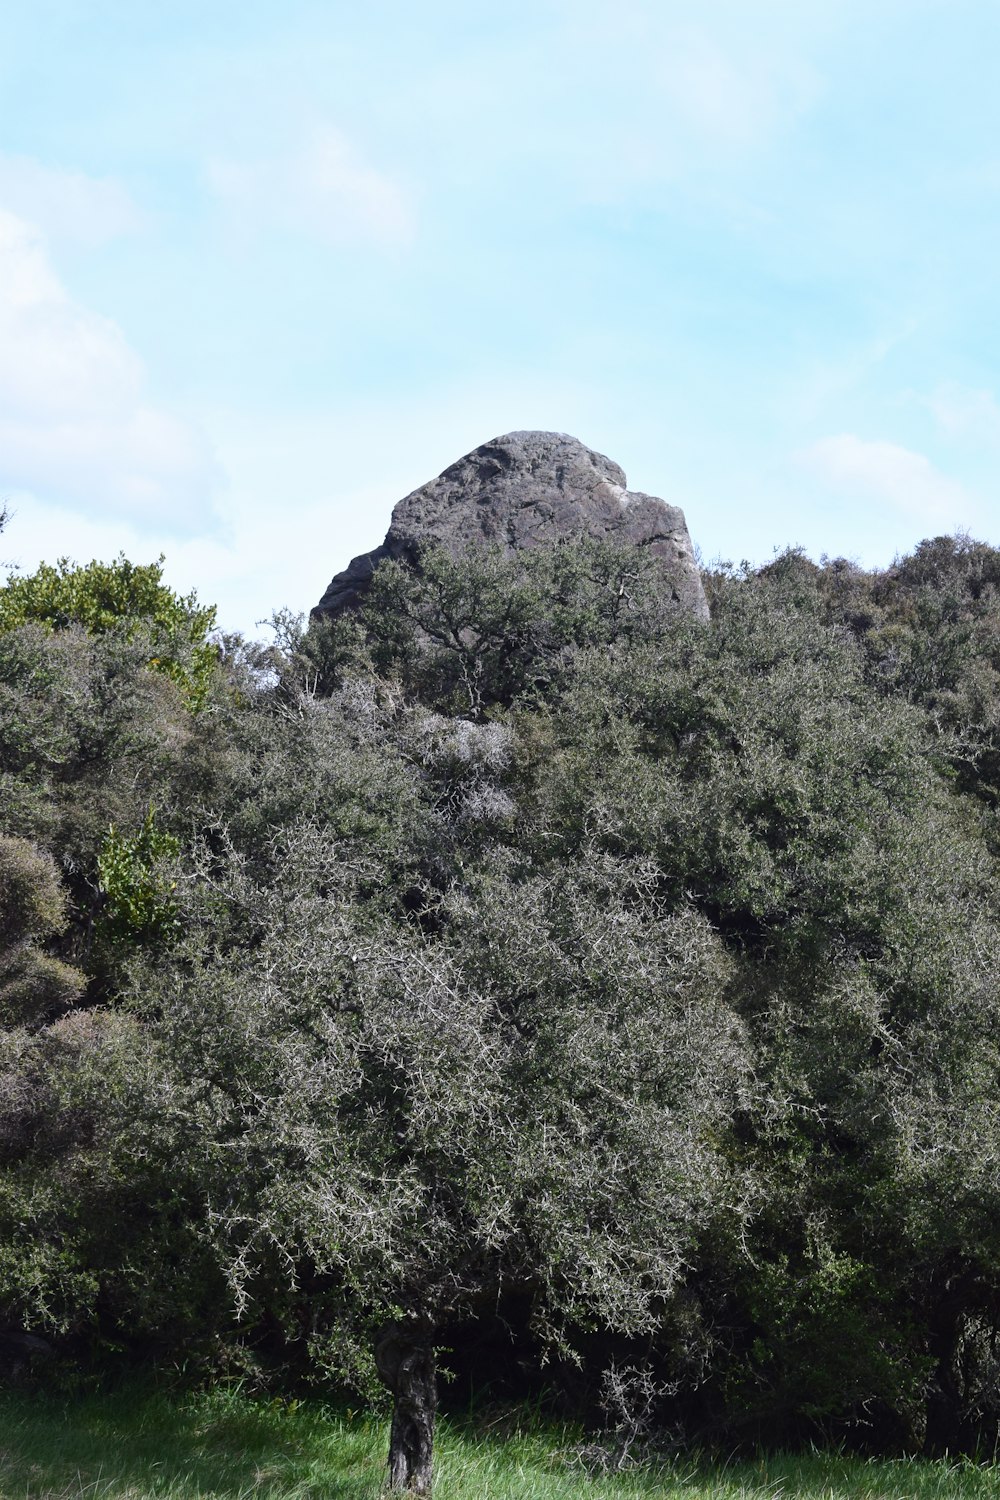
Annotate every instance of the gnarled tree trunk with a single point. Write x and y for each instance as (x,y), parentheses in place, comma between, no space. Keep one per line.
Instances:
(404,1358)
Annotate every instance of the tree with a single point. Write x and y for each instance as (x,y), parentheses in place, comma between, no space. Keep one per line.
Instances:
(415,1124)
(468,634)
(126,598)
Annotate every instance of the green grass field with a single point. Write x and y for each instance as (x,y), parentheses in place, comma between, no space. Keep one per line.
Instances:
(224,1446)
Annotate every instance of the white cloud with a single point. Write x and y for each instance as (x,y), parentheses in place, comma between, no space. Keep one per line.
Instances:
(68,205)
(75,421)
(323,187)
(892,475)
(309,490)
(259,560)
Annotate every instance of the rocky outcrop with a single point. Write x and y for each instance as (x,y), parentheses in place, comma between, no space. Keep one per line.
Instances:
(522,490)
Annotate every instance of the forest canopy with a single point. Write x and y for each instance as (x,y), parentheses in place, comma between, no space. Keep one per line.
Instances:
(516,975)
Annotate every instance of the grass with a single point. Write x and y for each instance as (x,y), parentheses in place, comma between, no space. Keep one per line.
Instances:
(223,1446)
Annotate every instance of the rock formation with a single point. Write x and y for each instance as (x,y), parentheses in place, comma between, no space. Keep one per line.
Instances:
(519,491)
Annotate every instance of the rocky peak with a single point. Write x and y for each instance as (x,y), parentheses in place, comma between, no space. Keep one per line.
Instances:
(522,490)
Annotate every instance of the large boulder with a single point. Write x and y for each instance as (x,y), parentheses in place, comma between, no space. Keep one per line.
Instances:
(522,490)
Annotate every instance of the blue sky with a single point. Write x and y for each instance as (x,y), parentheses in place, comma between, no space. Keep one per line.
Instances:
(264,269)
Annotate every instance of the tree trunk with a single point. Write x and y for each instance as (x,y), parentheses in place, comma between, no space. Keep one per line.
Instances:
(404,1358)
(19,1351)
(947,1432)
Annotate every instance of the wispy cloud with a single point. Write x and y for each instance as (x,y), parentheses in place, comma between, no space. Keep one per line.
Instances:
(700,89)
(67,204)
(889,474)
(324,186)
(75,421)
(733,97)
(964,411)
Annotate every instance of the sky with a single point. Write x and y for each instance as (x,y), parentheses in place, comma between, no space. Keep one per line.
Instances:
(265,268)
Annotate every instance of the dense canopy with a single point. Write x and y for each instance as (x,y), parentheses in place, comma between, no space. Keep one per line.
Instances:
(517,971)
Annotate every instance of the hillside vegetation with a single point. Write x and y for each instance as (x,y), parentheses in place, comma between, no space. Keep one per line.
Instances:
(519,978)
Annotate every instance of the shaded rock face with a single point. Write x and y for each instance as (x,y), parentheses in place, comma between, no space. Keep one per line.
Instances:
(523,490)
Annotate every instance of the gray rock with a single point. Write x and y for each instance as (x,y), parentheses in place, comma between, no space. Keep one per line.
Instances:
(522,490)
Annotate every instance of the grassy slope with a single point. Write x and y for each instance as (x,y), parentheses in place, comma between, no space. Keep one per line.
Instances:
(226,1447)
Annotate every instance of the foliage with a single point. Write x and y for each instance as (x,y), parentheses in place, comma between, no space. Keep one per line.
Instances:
(465,635)
(33,984)
(89,736)
(124,597)
(98,1229)
(524,950)
(137,895)
(452,1118)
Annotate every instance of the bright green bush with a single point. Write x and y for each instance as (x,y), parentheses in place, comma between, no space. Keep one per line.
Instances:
(120,596)
(138,903)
